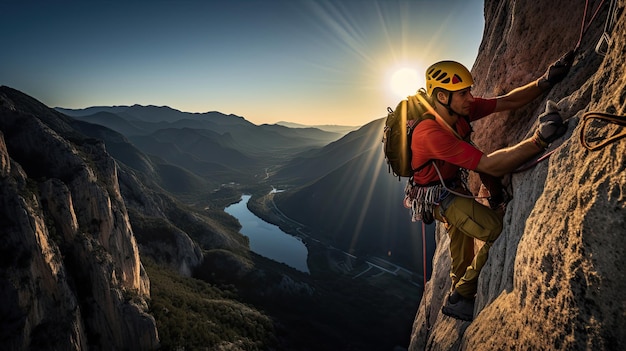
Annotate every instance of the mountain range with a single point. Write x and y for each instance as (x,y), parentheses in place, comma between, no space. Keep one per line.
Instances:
(342,173)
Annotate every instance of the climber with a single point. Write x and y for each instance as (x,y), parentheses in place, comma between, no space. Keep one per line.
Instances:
(442,151)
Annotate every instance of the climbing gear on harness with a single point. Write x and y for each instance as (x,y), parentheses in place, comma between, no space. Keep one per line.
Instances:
(609,118)
(422,200)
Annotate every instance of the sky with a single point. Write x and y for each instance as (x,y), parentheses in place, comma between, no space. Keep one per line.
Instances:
(313,62)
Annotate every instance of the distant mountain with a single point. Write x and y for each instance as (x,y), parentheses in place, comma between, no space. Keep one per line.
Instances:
(206,144)
(352,199)
(170,177)
(114,122)
(154,114)
(326,127)
(314,164)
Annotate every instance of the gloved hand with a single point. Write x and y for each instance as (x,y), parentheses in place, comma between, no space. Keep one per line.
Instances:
(557,71)
(551,126)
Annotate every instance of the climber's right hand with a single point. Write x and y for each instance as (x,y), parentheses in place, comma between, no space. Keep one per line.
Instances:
(551,127)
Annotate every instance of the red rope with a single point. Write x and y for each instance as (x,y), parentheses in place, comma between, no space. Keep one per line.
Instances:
(424,251)
(535,162)
(583,27)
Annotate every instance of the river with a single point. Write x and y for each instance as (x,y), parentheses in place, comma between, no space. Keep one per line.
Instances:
(269,240)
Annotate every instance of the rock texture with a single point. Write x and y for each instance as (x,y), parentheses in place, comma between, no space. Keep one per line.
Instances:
(555,278)
(69,260)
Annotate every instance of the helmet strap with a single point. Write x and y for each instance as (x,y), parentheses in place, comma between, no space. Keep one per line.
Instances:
(447,105)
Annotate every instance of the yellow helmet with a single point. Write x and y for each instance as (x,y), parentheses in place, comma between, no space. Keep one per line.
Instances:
(448,75)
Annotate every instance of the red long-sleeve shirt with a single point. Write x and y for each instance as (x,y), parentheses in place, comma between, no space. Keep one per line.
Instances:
(432,141)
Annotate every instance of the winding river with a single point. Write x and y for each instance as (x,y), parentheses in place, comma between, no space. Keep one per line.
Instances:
(267,239)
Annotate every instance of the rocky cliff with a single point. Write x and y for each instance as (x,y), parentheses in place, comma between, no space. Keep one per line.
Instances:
(71,274)
(554,279)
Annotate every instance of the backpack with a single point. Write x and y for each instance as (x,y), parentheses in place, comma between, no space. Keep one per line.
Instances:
(398,133)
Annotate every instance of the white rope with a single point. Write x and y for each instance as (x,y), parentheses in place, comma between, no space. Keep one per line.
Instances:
(455,192)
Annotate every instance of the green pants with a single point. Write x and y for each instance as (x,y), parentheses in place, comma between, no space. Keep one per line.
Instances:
(466,220)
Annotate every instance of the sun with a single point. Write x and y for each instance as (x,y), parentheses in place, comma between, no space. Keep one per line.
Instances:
(404,82)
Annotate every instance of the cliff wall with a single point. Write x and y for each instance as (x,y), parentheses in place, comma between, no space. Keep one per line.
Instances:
(69,258)
(554,279)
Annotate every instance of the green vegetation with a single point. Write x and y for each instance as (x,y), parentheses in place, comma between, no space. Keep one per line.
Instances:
(192,314)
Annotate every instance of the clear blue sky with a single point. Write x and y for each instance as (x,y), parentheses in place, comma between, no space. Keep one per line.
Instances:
(304,61)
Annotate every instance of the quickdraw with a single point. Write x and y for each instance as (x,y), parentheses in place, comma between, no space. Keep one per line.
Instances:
(609,118)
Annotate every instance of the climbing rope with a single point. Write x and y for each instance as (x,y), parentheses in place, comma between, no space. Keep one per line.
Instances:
(609,118)
(584,27)
(535,162)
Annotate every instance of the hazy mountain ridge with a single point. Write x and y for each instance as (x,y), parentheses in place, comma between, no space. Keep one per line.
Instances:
(313,164)
(207,144)
(151,113)
(327,127)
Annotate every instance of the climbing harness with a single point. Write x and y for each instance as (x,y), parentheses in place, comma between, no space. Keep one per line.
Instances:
(609,118)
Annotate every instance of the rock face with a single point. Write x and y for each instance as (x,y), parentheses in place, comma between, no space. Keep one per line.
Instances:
(69,259)
(554,279)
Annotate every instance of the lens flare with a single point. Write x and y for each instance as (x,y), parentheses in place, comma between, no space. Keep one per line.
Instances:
(404,82)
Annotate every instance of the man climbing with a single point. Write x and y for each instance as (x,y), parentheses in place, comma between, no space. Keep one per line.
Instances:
(442,151)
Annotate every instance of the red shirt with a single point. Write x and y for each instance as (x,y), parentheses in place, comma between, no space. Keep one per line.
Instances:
(432,141)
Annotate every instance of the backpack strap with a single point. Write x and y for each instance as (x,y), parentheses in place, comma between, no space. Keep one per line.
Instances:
(440,119)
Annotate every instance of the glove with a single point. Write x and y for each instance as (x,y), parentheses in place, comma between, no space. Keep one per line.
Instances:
(557,71)
(551,126)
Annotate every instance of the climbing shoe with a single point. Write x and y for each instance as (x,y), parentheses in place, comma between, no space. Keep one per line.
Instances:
(459,307)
